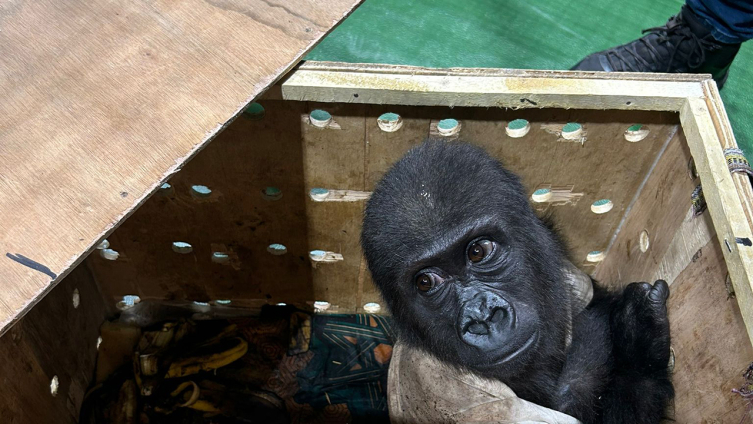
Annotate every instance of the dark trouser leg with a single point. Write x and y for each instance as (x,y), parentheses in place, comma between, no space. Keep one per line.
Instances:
(730,21)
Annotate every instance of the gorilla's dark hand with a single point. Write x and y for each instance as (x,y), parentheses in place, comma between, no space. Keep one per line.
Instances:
(640,328)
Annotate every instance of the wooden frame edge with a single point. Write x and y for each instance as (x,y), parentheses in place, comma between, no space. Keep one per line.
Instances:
(406,85)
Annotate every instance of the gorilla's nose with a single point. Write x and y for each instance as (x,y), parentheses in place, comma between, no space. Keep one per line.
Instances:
(483,317)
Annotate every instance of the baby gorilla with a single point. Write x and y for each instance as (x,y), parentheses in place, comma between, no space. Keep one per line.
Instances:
(471,275)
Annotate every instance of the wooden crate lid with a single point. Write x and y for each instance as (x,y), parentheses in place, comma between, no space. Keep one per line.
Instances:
(103,101)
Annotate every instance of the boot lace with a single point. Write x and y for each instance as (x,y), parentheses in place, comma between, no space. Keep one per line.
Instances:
(671,37)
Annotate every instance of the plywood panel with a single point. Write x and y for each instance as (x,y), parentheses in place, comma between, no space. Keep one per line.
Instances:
(54,339)
(285,150)
(103,100)
(605,165)
(661,207)
(334,159)
(249,156)
(710,343)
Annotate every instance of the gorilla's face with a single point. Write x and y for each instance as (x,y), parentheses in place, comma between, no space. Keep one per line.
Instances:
(474,291)
(468,271)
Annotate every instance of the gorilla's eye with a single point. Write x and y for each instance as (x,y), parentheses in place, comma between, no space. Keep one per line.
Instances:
(478,250)
(427,281)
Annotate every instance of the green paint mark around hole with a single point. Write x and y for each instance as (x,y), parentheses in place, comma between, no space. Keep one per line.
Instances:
(320,118)
(541,195)
(201,191)
(277,249)
(318,194)
(636,127)
(317,253)
(601,206)
(320,115)
(389,122)
(254,111)
(197,303)
(447,124)
(448,127)
(389,117)
(517,124)
(271,193)
(165,186)
(571,127)
(182,247)
(220,257)
(223,302)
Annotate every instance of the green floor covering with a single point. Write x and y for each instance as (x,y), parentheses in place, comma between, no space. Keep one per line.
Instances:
(545,34)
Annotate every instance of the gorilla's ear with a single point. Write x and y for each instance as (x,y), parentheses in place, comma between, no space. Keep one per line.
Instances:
(581,287)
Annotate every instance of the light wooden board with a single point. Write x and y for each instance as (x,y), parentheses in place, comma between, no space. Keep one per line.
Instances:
(727,203)
(102,101)
(408,85)
(54,339)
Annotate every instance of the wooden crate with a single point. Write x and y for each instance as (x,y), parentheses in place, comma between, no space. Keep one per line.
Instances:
(259,183)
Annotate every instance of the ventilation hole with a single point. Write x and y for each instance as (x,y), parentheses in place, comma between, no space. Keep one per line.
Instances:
(271,193)
(602,206)
(254,111)
(517,128)
(54,385)
(220,257)
(643,241)
(223,302)
(319,194)
(692,172)
(182,247)
(372,308)
(200,191)
(282,304)
(448,127)
(109,254)
(671,362)
(317,254)
(104,244)
(128,301)
(320,118)
(389,122)
(99,342)
(321,306)
(572,131)
(628,103)
(636,132)
(595,256)
(76,298)
(277,249)
(541,195)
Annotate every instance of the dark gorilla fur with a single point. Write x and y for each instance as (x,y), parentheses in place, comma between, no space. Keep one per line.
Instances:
(504,316)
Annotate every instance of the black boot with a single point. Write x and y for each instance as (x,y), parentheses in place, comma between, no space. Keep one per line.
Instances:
(682,45)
